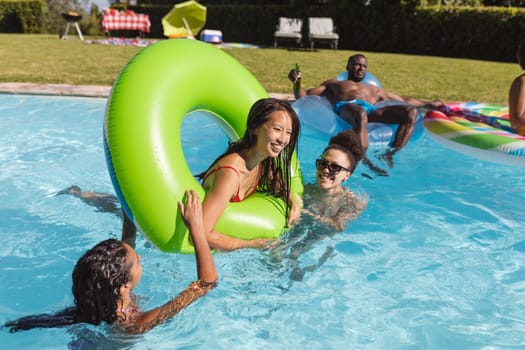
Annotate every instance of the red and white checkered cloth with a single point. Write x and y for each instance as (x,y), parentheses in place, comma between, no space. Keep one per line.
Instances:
(123,21)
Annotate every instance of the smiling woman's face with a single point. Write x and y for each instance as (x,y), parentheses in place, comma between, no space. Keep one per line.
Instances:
(330,180)
(274,135)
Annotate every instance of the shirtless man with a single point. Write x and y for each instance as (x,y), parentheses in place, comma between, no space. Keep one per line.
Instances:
(354,102)
(517,95)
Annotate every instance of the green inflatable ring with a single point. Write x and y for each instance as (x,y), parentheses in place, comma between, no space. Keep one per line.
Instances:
(155,91)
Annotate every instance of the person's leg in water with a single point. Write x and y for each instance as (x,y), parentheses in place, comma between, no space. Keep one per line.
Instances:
(403,115)
(302,240)
(357,117)
(298,273)
(104,202)
(73,190)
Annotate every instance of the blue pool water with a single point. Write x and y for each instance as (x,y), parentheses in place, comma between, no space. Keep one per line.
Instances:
(436,261)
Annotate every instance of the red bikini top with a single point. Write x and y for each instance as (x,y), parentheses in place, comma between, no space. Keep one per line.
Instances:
(235,198)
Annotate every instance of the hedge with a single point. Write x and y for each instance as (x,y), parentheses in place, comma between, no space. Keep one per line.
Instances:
(21,16)
(489,33)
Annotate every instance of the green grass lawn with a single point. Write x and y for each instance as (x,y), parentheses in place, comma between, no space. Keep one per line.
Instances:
(47,59)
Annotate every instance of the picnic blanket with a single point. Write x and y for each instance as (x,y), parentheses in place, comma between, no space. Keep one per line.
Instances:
(123,41)
(125,20)
(120,41)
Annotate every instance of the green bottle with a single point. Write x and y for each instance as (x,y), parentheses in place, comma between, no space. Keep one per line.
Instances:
(297,85)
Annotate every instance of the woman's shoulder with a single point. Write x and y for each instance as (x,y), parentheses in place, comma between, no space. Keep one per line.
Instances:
(229,161)
(232,160)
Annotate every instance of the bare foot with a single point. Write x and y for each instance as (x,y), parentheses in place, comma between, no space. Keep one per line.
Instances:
(74,190)
(388,157)
(379,171)
(297,274)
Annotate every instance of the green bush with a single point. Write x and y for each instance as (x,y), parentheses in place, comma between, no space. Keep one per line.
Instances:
(21,16)
(481,33)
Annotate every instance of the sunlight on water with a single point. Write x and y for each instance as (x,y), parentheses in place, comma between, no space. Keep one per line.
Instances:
(436,261)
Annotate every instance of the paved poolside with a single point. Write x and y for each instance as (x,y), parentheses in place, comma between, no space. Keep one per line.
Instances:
(78,90)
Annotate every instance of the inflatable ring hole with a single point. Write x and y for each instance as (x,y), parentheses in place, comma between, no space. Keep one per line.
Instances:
(201,132)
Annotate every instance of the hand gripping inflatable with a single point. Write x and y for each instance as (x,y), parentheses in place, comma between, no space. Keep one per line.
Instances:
(155,91)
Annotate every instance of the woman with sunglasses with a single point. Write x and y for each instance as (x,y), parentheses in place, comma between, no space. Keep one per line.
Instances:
(329,201)
(328,205)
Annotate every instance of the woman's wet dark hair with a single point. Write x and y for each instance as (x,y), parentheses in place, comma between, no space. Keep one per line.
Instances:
(97,278)
(348,142)
(276,177)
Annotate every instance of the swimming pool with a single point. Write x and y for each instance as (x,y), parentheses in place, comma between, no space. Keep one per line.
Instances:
(436,261)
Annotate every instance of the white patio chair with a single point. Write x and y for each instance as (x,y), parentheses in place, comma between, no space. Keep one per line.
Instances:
(322,29)
(289,29)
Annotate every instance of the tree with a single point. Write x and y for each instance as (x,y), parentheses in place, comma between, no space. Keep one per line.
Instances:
(53,21)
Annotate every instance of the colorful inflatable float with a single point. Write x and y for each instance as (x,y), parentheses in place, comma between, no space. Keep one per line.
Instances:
(321,122)
(156,90)
(479,130)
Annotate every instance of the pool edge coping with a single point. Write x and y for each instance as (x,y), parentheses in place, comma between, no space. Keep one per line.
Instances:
(102,91)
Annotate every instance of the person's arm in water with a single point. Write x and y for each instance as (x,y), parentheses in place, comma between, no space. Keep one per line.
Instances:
(191,213)
(517,104)
(336,222)
(353,207)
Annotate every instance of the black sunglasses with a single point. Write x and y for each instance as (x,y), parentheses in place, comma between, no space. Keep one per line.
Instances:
(332,167)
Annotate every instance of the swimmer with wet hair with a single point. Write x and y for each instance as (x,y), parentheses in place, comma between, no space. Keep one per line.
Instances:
(105,276)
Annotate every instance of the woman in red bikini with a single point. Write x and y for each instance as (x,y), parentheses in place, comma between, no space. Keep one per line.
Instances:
(104,277)
(259,161)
